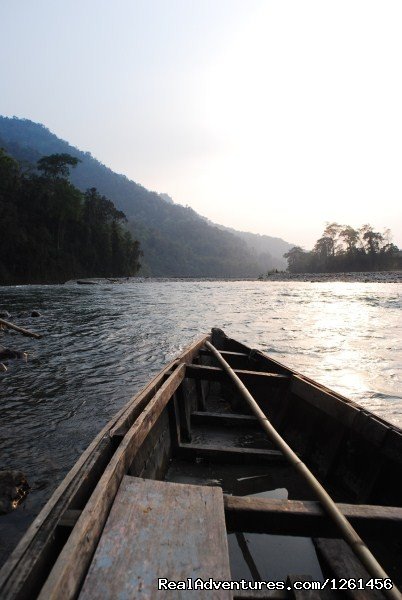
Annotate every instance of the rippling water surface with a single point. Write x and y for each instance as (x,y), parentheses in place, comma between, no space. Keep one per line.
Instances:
(102,343)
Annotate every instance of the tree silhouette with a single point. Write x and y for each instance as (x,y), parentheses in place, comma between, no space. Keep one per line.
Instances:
(343,248)
(57,165)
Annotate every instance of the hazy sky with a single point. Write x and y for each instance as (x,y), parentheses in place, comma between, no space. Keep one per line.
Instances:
(268,116)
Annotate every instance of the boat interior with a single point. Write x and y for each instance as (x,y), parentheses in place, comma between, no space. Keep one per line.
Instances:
(185,483)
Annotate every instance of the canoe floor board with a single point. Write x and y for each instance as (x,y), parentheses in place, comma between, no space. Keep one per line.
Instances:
(159,529)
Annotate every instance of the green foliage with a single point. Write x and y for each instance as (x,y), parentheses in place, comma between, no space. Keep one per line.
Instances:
(57,165)
(344,249)
(50,231)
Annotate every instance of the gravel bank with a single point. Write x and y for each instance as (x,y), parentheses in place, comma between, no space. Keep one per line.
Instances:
(362,277)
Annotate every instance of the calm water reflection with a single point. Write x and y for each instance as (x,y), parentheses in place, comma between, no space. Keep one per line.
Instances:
(102,343)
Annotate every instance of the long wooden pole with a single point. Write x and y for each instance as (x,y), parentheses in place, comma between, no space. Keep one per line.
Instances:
(20,329)
(349,534)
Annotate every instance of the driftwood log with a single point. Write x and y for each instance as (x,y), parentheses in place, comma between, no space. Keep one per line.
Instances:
(20,329)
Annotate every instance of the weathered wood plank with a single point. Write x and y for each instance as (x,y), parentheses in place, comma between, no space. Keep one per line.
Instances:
(392,447)
(229,454)
(66,576)
(209,419)
(201,395)
(305,518)
(325,445)
(300,424)
(69,518)
(225,353)
(158,529)
(371,428)
(237,360)
(206,373)
(174,423)
(152,458)
(184,412)
(342,563)
(342,411)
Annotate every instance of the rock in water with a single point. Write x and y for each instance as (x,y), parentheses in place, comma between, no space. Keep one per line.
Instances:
(13,490)
(7,353)
(4,314)
(25,314)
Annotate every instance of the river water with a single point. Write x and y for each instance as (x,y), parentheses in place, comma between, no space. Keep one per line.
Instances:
(102,343)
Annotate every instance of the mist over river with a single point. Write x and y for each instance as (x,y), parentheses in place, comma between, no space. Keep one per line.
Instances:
(102,343)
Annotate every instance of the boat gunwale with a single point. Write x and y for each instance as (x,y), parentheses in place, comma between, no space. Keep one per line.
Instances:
(316,384)
(77,473)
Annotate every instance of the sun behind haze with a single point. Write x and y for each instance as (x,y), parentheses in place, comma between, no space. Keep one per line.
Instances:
(267,116)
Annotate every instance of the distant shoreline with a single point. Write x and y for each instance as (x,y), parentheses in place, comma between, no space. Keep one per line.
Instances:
(358,277)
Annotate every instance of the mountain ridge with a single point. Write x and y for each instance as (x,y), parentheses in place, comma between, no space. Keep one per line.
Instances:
(176,240)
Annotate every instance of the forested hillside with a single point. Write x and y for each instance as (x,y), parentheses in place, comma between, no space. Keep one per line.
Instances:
(268,250)
(175,240)
(50,231)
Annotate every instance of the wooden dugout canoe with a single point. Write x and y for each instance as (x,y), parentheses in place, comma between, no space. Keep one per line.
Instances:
(141,503)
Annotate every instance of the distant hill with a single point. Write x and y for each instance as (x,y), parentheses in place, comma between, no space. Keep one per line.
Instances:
(266,246)
(176,241)
(268,250)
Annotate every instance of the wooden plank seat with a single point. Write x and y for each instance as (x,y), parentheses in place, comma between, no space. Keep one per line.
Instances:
(157,530)
(211,419)
(308,518)
(206,373)
(231,454)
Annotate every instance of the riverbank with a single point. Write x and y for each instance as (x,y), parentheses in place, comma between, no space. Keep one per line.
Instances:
(359,276)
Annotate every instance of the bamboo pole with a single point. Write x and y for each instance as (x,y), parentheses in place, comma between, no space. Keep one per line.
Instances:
(20,329)
(348,533)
